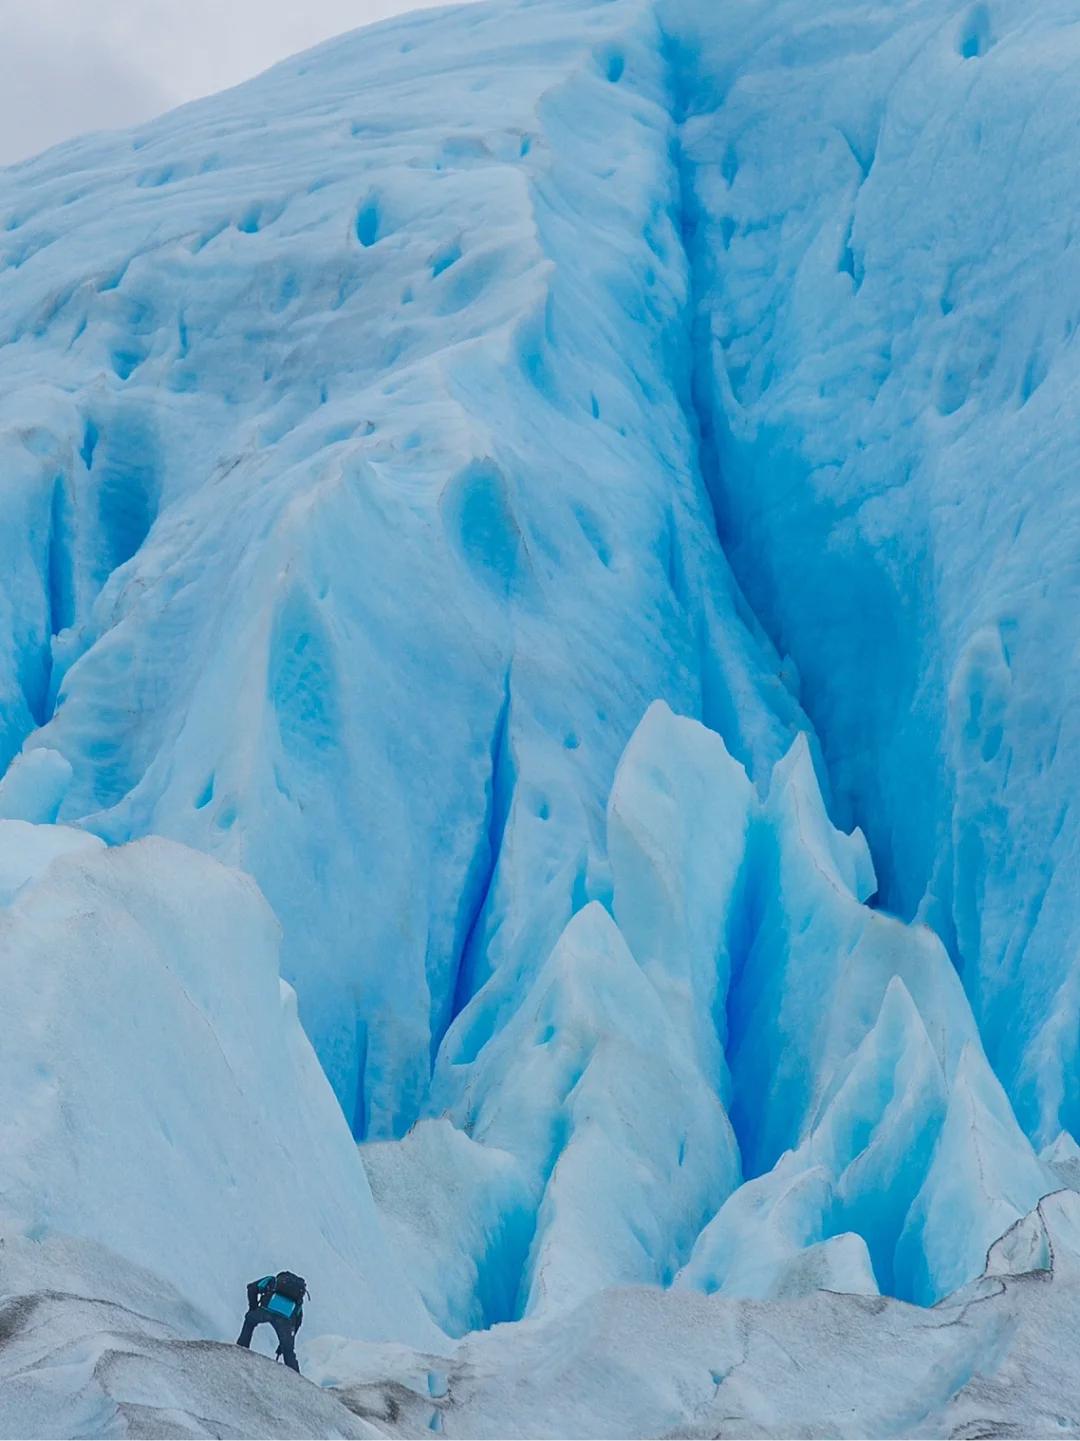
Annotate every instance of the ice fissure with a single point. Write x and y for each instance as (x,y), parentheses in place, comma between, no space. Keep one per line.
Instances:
(499,788)
(528,522)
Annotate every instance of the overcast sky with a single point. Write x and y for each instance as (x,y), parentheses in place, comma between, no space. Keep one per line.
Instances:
(72,65)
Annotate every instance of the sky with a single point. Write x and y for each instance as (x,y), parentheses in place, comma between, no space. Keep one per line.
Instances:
(67,66)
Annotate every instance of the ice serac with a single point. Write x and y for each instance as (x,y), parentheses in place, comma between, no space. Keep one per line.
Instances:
(739,968)
(34,785)
(679,820)
(625,1143)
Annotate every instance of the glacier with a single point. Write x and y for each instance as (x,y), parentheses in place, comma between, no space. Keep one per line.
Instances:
(537,765)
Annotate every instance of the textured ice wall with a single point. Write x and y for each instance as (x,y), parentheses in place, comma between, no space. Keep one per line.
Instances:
(886,304)
(739,972)
(354,511)
(367,435)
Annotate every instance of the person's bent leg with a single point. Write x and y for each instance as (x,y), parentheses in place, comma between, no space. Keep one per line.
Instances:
(287,1343)
(248,1329)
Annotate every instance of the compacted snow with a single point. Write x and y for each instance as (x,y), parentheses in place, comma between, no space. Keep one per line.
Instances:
(552,526)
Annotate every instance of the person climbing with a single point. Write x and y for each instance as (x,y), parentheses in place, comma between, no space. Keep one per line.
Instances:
(279,1301)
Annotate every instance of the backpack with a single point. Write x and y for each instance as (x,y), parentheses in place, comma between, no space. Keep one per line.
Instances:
(290,1286)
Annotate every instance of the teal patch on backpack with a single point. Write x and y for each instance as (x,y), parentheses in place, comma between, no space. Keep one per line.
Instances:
(281,1305)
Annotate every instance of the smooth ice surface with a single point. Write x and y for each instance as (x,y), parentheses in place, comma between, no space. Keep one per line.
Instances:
(34,786)
(157,1095)
(574,500)
(458,1213)
(27,851)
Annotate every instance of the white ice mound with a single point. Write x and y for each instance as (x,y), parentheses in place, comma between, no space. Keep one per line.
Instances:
(34,785)
(158,1096)
(460,1218)
(27,851)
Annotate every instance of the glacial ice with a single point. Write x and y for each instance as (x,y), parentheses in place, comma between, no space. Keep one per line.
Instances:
(458,1214)
(642,1362)
(27,851)
(573,499)
(34,785)
(159,1097)
(861,1101)
(94,1346)
(888,323)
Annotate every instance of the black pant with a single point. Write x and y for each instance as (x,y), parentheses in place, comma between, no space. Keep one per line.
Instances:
(281,1324)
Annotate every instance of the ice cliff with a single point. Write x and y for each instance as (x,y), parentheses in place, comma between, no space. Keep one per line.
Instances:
(576,501)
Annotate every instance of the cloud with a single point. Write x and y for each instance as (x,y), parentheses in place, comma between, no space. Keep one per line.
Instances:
(55,83)
(67,66)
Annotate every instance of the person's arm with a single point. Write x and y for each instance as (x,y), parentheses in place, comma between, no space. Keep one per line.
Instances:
(299,1317)
(255,1290)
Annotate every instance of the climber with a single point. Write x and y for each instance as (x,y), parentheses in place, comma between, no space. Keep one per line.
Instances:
(278,1300)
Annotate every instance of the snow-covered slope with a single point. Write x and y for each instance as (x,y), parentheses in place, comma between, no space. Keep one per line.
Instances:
(575,499)
(92,1346)
(997,1359)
